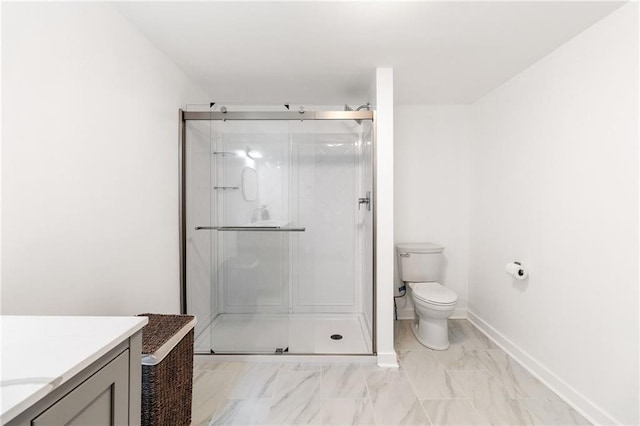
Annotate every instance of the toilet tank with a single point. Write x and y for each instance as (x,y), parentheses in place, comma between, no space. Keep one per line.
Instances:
(419,262)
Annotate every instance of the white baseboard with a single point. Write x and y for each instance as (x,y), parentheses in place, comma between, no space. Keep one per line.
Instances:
(387,359)
(571,396)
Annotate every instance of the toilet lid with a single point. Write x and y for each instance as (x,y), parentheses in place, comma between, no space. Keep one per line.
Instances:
(434,293)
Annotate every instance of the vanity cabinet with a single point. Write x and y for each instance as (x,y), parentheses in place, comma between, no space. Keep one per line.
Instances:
(106,391)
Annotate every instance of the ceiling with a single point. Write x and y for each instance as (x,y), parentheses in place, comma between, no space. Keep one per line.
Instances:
(326,52)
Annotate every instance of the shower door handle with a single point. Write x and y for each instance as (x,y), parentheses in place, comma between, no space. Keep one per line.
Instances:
(366,200)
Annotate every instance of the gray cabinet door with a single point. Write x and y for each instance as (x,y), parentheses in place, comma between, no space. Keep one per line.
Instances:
(101,400)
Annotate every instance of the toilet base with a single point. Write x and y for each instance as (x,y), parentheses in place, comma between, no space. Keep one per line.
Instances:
(431,332)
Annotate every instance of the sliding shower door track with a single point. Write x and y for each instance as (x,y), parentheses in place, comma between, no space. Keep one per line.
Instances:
(277,115)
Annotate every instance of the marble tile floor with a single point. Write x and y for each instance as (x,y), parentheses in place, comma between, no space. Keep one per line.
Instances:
(471,383)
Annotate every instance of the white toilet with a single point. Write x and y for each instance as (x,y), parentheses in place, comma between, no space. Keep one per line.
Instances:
(419,266)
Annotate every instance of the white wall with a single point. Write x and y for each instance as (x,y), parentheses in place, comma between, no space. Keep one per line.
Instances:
(555,185)
(432,187)
(89,163)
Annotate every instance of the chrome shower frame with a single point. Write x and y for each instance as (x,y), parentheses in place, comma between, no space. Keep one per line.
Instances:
(349,114)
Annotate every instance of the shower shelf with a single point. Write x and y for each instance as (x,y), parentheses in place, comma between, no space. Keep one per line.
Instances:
(226,187)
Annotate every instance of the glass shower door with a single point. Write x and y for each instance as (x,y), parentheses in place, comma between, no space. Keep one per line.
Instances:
(253,222)
(201,286)
(279,236)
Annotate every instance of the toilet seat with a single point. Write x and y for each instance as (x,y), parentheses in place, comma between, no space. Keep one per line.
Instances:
(434,293)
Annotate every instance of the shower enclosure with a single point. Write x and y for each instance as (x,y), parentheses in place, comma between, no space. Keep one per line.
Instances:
(277,231)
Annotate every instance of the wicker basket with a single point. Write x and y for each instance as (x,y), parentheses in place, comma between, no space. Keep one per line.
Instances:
(167,370)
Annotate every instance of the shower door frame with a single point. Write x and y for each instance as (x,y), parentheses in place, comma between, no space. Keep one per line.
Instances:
(183,116)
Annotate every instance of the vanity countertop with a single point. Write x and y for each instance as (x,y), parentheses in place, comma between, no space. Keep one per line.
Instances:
(39,353)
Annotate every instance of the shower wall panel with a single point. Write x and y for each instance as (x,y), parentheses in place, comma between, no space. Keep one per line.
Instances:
(327,278)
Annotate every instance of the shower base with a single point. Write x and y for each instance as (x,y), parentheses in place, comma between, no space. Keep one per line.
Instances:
(285,333)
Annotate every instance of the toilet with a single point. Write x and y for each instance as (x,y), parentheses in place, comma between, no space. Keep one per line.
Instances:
(419,267)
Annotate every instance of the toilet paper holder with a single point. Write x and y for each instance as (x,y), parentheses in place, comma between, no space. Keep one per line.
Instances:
(519,272)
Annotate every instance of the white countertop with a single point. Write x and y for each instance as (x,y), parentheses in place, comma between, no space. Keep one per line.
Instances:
(40,353)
